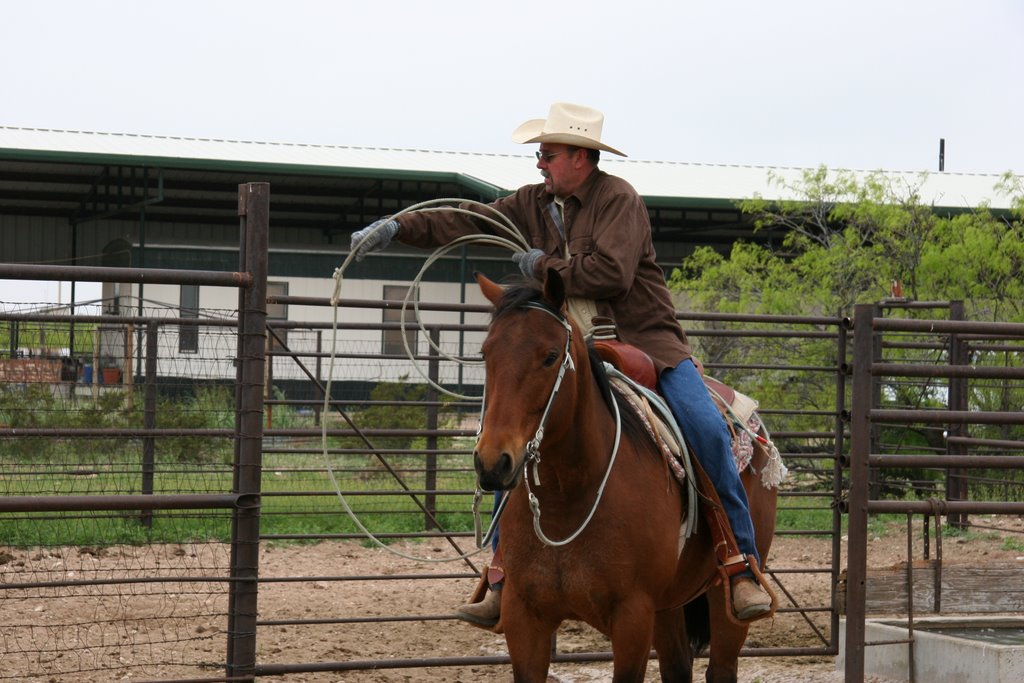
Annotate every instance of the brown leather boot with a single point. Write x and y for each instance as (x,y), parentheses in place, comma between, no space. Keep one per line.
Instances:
(749,600)
(485,613)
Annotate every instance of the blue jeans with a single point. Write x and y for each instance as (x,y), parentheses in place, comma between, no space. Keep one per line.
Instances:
(706,432)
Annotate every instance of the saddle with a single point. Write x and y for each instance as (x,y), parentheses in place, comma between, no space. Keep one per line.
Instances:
(638,366)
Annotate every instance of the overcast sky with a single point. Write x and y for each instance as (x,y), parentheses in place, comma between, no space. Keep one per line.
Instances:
(869,84)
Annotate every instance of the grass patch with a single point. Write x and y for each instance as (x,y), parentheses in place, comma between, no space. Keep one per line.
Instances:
(1013,544)
(298,501)
(804,514)
(298,496)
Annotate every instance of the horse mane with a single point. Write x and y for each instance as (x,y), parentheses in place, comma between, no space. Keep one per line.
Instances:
(520,292)
(632,425)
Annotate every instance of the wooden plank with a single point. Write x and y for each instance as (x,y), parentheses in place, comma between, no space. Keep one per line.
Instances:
(964,589)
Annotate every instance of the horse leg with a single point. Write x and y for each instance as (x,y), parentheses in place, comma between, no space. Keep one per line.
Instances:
(672,643)
(631,635)
(529,643)
(727,638)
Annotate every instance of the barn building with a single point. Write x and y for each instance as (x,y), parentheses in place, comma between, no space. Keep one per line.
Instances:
(86,198)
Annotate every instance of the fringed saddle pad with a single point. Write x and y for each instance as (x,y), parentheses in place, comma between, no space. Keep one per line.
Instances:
(668,438)
(745,425)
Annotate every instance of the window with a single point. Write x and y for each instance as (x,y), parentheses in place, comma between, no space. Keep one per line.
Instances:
(277,312)
(393,338)
(188,307)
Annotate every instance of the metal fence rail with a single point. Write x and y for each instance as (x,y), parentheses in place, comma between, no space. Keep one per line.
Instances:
(147,500)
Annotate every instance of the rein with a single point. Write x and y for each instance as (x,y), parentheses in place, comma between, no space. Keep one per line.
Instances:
(533,448)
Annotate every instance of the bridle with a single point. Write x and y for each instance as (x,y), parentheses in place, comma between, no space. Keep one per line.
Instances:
(533,446)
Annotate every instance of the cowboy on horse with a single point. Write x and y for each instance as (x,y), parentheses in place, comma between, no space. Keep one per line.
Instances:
(594,230)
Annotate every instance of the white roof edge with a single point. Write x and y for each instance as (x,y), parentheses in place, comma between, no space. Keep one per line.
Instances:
(670,179)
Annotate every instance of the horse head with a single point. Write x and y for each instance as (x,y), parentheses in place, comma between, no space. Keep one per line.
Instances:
(527,355)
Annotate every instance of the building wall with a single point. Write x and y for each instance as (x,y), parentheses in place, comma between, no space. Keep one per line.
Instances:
(366,342)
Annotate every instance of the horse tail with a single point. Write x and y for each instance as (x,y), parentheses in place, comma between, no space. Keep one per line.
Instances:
(698,623)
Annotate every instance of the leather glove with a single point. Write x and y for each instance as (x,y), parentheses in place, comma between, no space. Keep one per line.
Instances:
(373,237)
(527,262)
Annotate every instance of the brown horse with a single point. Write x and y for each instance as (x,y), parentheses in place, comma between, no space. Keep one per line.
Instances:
(547,436)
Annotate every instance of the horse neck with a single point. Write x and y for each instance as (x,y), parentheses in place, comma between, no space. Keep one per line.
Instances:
(576,453)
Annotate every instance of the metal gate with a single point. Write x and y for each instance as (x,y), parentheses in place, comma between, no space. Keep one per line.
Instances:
(120,535)
(973,373)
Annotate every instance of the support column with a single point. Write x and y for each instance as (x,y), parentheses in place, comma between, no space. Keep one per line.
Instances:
(857,533)
(254,210)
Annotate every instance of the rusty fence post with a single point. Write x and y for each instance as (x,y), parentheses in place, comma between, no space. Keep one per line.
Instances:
(430,462)
(841,426)
(254,210)
(860,449)
(149,417)
(875,446)
(956,478)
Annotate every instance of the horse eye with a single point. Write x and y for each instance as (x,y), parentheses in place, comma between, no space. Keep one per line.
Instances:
(551,358)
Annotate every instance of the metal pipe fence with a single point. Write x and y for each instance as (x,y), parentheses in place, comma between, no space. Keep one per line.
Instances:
(125,544)
(963,402)
(402,456)
(156,496)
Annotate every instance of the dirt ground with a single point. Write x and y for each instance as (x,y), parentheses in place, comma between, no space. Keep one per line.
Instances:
(103,633)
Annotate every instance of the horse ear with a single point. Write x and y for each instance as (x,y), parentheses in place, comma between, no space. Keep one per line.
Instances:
(491,290)
(554,289)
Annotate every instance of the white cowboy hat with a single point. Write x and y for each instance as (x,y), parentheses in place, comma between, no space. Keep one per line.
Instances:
(568,124)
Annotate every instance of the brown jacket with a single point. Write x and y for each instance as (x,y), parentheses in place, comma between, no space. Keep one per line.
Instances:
(612,255)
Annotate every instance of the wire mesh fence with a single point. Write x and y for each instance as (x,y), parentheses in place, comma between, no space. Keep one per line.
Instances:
(101,593)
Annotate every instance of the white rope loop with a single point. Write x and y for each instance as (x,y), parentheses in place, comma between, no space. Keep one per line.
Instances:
(516,243)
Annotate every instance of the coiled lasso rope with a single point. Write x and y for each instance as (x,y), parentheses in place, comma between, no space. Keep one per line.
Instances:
(514,242)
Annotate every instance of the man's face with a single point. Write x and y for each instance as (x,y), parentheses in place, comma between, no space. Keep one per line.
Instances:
(564,168)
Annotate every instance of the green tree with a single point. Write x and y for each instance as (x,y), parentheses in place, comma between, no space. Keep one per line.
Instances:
(400,408)
(846,239)
(979,259)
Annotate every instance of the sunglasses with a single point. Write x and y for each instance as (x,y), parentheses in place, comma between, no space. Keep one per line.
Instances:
(548,156)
